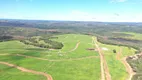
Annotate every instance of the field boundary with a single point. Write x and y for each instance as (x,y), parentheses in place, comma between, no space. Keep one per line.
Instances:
(70,59)
(75,47)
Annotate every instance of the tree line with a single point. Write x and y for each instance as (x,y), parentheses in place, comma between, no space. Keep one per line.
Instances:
(48,43)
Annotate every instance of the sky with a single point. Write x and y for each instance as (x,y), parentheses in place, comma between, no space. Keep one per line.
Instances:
(73,10)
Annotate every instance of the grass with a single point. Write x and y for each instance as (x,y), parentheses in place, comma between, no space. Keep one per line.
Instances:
(116,68)
(134,36)
(9,73)
(84,69)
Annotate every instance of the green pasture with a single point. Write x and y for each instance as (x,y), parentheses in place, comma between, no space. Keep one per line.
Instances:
(116,68)
(10,73)
(65,67)
(84,69)
(134,36)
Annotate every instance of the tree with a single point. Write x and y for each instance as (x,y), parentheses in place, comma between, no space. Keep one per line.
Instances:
(114,51)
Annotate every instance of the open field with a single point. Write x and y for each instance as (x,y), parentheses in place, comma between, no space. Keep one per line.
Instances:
(136,36)
(79,59)
(116,66)
(130,35)
(69,66)
(9,73)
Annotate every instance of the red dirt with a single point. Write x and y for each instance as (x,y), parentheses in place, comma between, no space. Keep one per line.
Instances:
(125,63)
(104,68)
(128,68)
(49,77)
(119,54)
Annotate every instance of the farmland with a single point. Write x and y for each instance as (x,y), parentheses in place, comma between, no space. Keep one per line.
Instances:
(79,59)
(130,35)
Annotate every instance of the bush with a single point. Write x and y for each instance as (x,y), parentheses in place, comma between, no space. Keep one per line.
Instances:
(54,44)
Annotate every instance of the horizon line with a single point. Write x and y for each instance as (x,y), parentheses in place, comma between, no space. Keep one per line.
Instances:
(70,20)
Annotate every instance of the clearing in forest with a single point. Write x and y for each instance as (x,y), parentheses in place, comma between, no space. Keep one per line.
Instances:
(73,62)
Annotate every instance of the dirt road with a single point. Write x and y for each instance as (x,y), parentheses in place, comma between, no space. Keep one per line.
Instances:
(128,68)
(105,75)
(125,63)
(49,77)
(75,47)
(101,64)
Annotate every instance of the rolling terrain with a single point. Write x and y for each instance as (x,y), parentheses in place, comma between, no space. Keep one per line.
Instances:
(81,58)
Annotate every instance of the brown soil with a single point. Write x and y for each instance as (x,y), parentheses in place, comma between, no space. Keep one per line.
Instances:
(125,63)
(104,68)
(128,68)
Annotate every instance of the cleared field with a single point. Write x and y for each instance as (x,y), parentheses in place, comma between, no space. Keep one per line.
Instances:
(66,64)
(10,73)
(134,36)
(77,60)
(116,67)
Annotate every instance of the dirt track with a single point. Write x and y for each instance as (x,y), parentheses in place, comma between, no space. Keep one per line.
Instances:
(75,47)
(128,68)
(126,64)
(49,77)
(105,75)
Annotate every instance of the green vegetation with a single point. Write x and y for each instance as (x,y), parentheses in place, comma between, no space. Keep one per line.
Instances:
(42,43)
(71,61)
(135,62)
(135,36)
(116,66)
(59,48)
(72,65)
(5,38)
(10,73)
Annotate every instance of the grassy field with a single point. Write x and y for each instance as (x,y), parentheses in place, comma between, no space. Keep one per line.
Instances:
(73,62)
(116,68)
(136,36)
(78,69)
(130,35)
(9,73)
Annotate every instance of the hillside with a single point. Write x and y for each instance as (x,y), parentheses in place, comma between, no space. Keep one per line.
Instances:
(64,50)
